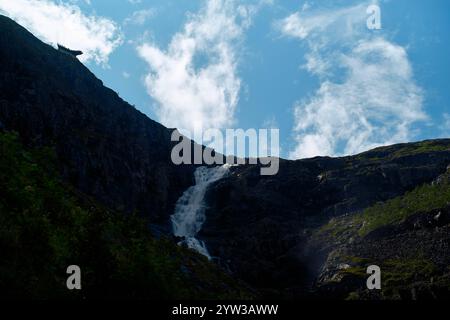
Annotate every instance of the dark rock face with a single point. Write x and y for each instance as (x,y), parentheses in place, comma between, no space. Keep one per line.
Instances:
(107,149)
(259,227)
(414,256)
(412,253)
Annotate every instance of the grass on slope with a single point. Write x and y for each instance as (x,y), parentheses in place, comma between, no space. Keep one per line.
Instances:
(393,152)
(424,198)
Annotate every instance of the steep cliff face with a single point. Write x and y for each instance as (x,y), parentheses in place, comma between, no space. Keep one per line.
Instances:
(261,227)
(106,148)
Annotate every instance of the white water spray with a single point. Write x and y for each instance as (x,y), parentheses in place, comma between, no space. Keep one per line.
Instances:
(190,208)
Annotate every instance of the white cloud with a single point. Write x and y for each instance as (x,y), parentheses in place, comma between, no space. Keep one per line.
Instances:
(367,96)
(195,82)
(375,104)
(140,17)
(56,22)
(339,22)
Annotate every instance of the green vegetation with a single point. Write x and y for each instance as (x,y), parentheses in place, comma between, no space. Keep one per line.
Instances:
(421,147)
(337,227)
(46,226)
(396,151)
(357,271)
(397,273)
(422,199)
(399,277)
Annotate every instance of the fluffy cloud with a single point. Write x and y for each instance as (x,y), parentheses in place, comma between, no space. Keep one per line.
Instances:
(375,104)
(56,22)
(195,82)
(367,96)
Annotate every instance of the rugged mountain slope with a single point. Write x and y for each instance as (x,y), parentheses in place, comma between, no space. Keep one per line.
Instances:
(309,230)
(408,237)
(261,227)
(106,148)
(46,225)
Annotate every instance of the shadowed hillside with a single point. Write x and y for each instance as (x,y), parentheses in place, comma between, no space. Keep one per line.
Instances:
(46,225)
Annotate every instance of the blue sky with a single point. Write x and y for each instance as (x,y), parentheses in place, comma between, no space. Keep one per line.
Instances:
(310,68)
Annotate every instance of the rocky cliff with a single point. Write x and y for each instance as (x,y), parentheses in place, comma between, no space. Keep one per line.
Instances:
(265,228)
(106,147)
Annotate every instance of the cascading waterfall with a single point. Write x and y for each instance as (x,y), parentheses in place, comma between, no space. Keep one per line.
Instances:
(189,213)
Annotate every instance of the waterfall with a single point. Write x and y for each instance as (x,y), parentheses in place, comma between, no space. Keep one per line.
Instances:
(189,213)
